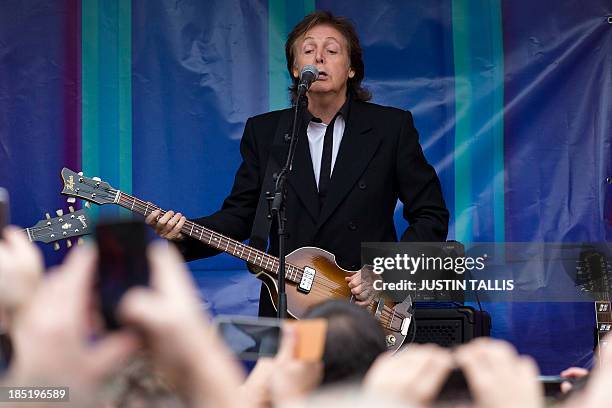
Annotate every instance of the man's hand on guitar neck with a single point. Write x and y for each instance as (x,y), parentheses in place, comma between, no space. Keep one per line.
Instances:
(167,226)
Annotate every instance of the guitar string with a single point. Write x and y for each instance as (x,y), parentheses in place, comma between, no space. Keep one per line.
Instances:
(232,247)
(323,281)
(205,232)
(220,240)
(143,206)
(137,203)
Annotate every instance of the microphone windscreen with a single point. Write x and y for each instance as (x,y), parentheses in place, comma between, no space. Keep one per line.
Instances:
(308,70)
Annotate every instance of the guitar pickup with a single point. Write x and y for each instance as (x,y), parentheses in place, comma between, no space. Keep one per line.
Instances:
(307,280)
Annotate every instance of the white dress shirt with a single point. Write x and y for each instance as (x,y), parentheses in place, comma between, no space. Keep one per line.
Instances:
(316,136)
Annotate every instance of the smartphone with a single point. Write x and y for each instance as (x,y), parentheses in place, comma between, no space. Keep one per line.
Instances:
(250,337)
(4,210)
(552,384)
(122,264)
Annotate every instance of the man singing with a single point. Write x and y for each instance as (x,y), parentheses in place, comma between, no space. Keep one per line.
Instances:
(353,161)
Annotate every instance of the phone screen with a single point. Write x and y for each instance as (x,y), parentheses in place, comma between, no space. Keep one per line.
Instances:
(4,210)
(250,338)
(122,264)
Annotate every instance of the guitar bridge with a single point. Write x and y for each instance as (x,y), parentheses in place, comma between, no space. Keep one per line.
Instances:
(307,280)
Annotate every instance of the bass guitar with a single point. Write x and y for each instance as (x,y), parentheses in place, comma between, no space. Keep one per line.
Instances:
(312,274)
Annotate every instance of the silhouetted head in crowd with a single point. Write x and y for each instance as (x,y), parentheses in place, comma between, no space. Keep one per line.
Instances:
(354,340)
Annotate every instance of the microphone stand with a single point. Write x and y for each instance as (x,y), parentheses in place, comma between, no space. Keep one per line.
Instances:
(277,207)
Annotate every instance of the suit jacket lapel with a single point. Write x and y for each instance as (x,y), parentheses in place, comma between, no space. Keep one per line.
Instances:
(301,179)
(357,148)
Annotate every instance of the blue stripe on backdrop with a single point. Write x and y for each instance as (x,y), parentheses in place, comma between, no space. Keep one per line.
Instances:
(107,112)
(558,138)
(408,54)
(199,71)
(283,15)
(479,159)
(37,77)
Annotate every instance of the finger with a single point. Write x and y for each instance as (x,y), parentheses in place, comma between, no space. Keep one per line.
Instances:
(286,351)
(471,368)
(364,295)
(171,226)
(108,353)
(163,221)
(174,220)
(566,387)
(179,226)
(350,276)
(353,280)
(439,365)
(574,372)
(168,272)
(354,283)
(151,219)
(142,308)
(78,270)
(528,366)
(358,290)
(15,237)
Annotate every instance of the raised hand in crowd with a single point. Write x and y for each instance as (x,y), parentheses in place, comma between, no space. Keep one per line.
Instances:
(284,378)
(183,344)
(413,376)
(498,377)
(53,336)
(597,392)
(257,387)
(293,379)
(573,373)
(21,269)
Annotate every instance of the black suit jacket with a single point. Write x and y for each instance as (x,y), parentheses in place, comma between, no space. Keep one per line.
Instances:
(379,161)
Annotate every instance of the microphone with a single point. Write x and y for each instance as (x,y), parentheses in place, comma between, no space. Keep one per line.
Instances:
(308,75)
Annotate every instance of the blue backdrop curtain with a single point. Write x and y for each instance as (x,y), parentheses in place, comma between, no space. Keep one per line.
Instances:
(512,101)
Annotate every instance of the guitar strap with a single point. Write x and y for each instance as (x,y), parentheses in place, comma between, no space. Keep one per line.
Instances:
(261,224)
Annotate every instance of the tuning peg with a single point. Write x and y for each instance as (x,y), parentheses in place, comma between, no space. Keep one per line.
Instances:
(71,208)
(87,205)
(71,200)
(59,212)
(96,178)
(69,243)
(80,173)
(56,246)
(80,241)
(48,216)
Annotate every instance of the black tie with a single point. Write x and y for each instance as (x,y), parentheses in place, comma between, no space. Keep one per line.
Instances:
(326,161)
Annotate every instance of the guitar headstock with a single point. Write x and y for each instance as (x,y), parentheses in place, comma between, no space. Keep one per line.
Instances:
(73,224)
(90,189)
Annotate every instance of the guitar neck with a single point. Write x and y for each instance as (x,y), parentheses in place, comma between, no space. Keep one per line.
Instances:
(215,240)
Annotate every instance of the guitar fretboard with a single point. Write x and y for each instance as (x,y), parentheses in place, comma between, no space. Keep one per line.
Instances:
(215,240)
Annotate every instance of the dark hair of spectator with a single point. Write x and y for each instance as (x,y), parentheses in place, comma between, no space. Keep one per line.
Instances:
(354,340)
